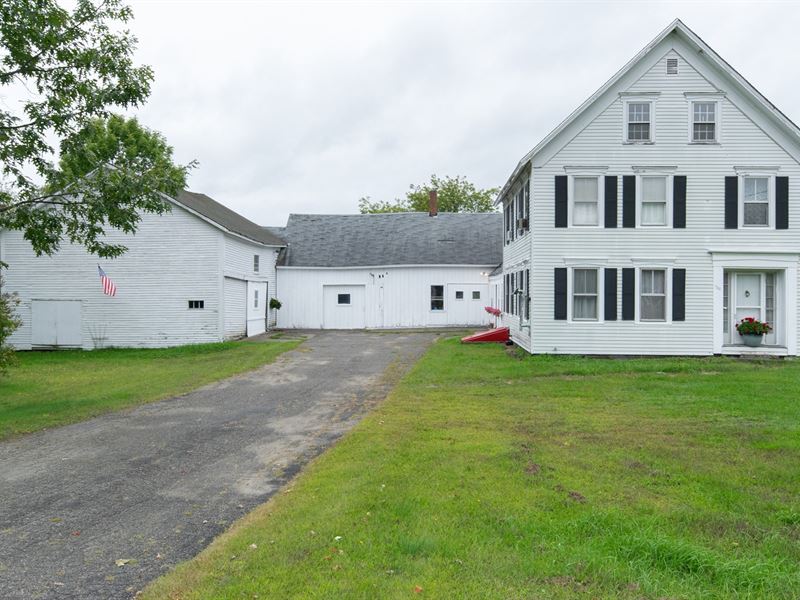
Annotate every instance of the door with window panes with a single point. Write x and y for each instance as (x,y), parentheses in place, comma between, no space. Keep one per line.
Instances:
(749,294)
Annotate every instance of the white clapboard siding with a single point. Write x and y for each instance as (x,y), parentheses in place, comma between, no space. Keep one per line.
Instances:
(173,258)
(599,143)
(239,263)
(394,296)
(235,293)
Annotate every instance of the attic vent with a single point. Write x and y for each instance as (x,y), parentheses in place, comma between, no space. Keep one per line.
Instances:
(672,66)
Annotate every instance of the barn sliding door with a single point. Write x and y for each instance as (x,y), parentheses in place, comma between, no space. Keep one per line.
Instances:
(56,323)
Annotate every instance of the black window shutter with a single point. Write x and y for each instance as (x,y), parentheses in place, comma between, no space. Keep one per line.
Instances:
(561,201)
(678,294)
(560,298)
(629,201)
(781,203)
(628,294)
(731,202)
(611,201)
(679,201)
(610,291)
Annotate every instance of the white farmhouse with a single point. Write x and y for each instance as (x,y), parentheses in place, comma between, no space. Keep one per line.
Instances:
(387,270)
(199,273)
(658,215)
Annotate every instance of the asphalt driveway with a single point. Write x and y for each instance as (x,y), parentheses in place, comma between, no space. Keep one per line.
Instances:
(152,486)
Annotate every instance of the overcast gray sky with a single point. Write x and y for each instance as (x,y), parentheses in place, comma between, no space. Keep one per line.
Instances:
(306,107)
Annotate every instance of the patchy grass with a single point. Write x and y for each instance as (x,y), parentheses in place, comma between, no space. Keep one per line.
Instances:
(54,388)
(489,476)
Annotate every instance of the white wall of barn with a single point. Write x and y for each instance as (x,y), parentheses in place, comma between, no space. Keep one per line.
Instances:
(405,290)
(238,267)
(744,140)
(173,258)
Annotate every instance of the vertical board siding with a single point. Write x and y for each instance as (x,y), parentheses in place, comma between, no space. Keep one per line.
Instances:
(705,167)
(404,293)
(173,258)
(238,263)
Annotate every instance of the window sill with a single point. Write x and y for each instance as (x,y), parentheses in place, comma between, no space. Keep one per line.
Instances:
(629,143)
(704,144)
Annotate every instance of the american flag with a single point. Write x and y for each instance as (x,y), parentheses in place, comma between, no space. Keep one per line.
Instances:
(109,289)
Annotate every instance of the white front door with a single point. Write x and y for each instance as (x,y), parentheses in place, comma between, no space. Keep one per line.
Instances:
(256,307)
(752,295)
(344,307)
(56,323)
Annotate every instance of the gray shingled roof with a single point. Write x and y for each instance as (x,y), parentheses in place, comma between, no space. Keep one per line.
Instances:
(224,216)
(394,239)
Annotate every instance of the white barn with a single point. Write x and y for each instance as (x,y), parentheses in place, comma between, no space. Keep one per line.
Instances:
(658,215)
(387,270)
(199,273)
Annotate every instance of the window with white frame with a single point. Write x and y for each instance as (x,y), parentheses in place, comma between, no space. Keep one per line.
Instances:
(437,297)
(638,122)
(755,202)
(653,295)
(585,201)
(256,258)
(653,211)
(584,295)
(704,121)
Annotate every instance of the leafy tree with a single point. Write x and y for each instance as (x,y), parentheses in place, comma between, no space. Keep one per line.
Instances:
(8,323)
(71,68)
(455,194)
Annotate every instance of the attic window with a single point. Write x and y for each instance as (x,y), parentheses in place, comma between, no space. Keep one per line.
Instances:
(672,66)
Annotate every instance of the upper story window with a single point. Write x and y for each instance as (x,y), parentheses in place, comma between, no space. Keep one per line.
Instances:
(705,121)
(585,201)
(756,202)
(255,263)
(653,193)
(638,122)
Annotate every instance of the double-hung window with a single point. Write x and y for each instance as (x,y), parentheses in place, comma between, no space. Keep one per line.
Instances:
(437,297)
(704,121)
(755,202)
(654,200)
(584,295)
(638,122)
(653,295)
(585,201)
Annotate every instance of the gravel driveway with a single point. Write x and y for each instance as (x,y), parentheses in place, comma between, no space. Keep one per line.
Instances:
(153,485)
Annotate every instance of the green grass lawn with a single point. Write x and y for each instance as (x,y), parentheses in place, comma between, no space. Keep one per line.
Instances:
(54,388)
(486,475)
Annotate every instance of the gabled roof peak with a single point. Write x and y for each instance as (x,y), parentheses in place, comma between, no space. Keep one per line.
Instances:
(690,37)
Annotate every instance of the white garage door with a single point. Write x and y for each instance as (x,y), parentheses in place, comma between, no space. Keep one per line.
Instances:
(56,323)
(235,308)
(343,307)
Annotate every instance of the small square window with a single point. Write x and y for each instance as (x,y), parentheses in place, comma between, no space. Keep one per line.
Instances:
(256,258)
(459,295)
(197,304)
(343,299)
(476,295)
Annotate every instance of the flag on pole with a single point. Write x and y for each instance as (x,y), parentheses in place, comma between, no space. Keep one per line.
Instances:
(109,289)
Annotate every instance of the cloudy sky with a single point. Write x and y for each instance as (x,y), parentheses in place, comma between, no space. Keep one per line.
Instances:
(306,107)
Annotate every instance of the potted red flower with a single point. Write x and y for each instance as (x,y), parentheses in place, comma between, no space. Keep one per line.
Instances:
(752,331)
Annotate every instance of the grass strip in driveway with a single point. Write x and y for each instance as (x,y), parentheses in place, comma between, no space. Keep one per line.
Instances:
(47,389)
(486,475)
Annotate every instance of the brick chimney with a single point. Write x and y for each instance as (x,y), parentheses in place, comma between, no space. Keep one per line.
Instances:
(433,203)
